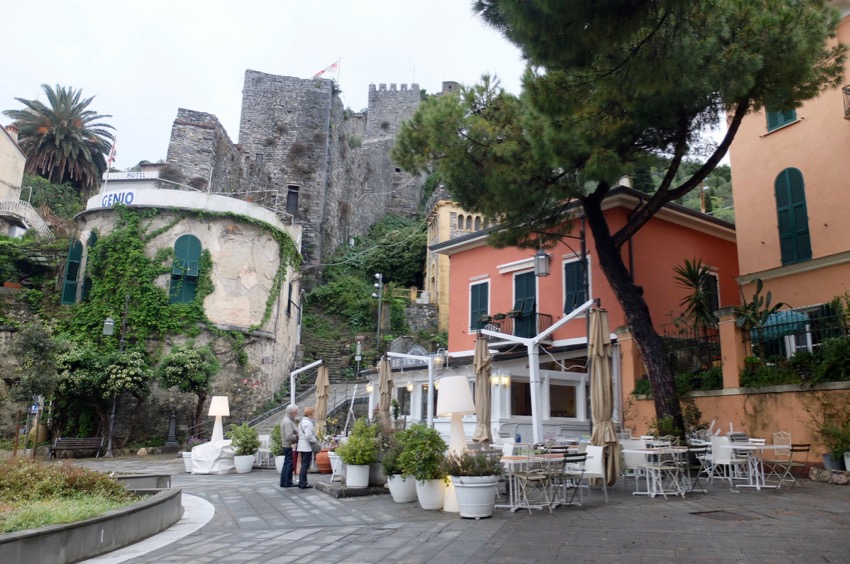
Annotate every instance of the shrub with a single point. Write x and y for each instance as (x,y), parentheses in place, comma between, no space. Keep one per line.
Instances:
(362,446)
(245,440)
(276,444)
(472,464)
(423,450)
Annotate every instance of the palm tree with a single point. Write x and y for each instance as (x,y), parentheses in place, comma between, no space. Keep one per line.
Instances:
(63,140)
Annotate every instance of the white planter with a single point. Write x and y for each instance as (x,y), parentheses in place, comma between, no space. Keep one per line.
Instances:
(847,460)
(476,495)
(187,461)
(402,489)
(431,493)
(244,463)
(278,463)
(357,475)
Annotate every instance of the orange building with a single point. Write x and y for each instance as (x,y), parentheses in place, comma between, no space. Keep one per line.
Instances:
(497,289)
(790,189)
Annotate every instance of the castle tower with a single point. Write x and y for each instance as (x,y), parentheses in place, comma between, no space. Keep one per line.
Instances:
(389,108)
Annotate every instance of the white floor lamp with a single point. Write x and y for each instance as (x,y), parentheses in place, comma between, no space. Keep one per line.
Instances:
(218,408)
(455,400)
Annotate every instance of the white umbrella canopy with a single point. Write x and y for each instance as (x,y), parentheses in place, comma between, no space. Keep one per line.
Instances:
(385,389)
(482,364)
(323,387)
(602,391)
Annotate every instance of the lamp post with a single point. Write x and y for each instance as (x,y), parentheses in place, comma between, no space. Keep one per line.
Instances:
(380,295)
(108,330)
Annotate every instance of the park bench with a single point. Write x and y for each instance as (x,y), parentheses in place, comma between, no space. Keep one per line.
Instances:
(74,444)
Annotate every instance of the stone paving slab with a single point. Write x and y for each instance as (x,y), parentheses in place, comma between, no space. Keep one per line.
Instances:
(256,521)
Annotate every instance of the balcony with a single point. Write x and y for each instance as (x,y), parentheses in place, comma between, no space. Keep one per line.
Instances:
(524,325)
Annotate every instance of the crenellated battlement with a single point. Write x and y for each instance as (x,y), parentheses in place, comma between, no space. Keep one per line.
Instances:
(382,87)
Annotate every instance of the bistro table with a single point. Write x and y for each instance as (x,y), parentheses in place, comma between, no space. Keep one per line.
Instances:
(657,471)
(755,462)
(518,463)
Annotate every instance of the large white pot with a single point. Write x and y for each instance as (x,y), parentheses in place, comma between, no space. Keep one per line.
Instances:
(243,463)
(476,495)
(187,461)
(431,493)
(278,463)
(357,475)
(403,489)
(847,460)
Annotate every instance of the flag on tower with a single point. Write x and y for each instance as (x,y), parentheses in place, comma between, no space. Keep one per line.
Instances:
(111,158)
(332,69)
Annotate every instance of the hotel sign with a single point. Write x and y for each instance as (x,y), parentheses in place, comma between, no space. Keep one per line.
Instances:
(111,198)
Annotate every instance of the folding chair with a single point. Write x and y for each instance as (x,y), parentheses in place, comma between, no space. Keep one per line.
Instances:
(536,476)
(698,460)
(787,469)
(571,476)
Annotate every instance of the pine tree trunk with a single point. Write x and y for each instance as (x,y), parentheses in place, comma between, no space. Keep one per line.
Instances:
(638,319)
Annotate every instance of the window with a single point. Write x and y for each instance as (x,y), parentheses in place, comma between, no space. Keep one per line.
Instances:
(259,158)
(520,398)
(292,200)
(794,242)
(525,302)
(469,223)
(72,271)
(776,119)
(425,401)
(711,289)
(289,301)
(87,279)
(562,400)
(403,402)
(184,270)
(575,292)
(479,303)
(477,223)
(460,221)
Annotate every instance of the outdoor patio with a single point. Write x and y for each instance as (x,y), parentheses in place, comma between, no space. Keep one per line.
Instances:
(256,521)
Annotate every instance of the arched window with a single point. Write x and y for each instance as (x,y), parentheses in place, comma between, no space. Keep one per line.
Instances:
(72,272)
(478,223)
(184,271)
(460,221)
(794,241)
(469,223)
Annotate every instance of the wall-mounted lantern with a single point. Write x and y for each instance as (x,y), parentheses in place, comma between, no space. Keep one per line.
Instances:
(846,92)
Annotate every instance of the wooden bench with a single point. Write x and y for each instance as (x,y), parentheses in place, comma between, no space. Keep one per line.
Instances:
(76,443)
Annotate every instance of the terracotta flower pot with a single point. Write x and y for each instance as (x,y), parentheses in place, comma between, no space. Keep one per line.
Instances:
(323,462)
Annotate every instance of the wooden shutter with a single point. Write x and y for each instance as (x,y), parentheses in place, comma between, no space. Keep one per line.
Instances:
(574,289)
(778,118)
(794,240)
(72,271)
(185,269)
(479,296)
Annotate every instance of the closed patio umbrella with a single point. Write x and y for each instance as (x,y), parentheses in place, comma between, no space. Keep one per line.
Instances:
(482,363)
(385,389)
(602,392)
(323,387)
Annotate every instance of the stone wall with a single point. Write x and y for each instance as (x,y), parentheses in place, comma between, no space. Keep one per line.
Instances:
(201,153)
(389,108)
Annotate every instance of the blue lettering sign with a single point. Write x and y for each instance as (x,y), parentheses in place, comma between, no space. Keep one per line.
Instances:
(112,198)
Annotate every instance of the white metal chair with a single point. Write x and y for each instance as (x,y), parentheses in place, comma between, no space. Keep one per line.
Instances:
(634,464)
(781,457)
(594,467)
(263,457)
(725,464)
(536,476)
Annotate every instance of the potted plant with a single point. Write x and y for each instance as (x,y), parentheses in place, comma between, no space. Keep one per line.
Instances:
(402,488)
(358,452)
(245,443)
(474,476)
(276,448)
(499,316)
(421,457)
(190,443)
(830,417)
(514,313)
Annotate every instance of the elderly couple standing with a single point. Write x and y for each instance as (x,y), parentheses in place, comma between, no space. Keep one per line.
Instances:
(301,435)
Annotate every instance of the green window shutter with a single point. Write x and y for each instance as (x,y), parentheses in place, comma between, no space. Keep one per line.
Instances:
(574,290)
(794,240)
(711,291)
(778,118)
(479,296)
(72,271)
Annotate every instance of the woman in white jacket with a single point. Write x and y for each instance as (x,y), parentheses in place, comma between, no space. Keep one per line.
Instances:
(306,438)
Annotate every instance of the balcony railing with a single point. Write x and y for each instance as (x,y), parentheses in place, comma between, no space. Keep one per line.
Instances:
(524,325)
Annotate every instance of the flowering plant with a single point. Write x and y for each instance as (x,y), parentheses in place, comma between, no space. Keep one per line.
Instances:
(191,443)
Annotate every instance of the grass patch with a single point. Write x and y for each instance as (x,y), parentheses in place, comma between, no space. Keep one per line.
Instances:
(33,494)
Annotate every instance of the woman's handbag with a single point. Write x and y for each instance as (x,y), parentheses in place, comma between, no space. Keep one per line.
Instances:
(316,448)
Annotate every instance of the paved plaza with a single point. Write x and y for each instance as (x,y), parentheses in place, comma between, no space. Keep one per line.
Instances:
(256,521)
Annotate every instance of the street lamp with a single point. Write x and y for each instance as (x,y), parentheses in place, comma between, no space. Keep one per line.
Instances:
(541,263)
(380,295)
(109,330)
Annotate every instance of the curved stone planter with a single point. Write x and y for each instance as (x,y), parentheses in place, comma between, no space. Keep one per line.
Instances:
(112,530)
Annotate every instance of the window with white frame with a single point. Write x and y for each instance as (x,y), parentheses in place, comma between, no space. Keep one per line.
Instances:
(576,273)
(479,302)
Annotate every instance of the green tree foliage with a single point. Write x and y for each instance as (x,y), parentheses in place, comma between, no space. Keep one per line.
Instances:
(64,140)
(190,370)
(608,84)
(35,351)
(62,199)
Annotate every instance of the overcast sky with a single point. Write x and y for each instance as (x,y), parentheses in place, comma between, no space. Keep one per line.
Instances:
(143,60)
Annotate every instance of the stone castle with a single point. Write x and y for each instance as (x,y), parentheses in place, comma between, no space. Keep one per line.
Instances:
(302,154)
